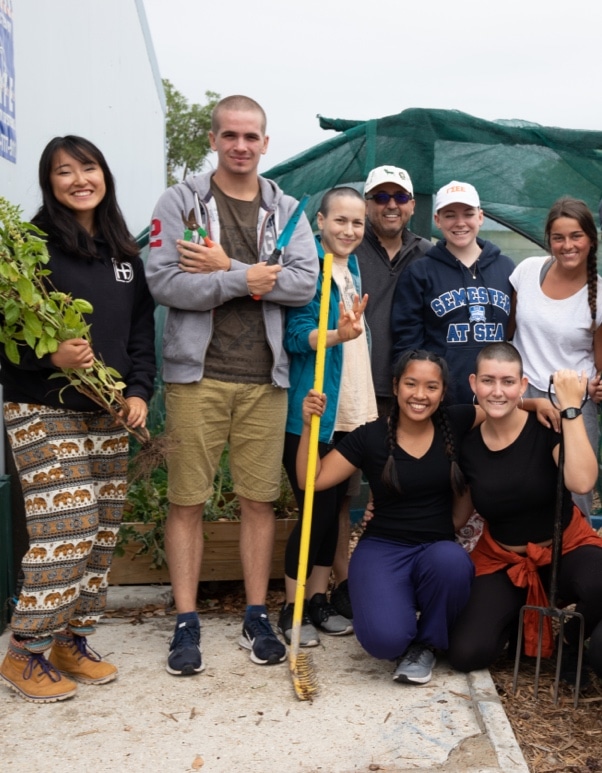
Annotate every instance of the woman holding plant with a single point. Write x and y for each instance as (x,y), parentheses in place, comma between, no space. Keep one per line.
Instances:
(70,453)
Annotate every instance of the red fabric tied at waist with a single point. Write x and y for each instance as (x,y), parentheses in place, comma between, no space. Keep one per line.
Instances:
(489,557)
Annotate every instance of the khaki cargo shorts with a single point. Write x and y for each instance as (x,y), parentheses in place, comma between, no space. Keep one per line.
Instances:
(203,417)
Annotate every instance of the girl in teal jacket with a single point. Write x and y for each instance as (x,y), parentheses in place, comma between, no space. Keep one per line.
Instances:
(351,401)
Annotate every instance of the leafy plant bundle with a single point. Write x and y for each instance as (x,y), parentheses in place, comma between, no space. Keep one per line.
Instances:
(34,314)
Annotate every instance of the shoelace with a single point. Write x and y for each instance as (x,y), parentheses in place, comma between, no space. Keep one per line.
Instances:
(260,626)
(305,618)
(85,650)
(185,636)
(414,653)
(45,666)
(326,610)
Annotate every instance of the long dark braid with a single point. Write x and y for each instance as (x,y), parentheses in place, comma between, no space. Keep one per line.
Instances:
(458,481)
(389,474)
(575,209)
(592,286)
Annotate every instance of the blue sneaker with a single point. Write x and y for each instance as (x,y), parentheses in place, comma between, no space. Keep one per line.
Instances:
(184,657)
(258,636)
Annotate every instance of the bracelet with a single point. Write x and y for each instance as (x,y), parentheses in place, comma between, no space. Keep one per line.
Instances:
(570,413)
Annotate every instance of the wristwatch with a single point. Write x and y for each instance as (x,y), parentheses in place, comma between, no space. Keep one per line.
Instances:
(570,413)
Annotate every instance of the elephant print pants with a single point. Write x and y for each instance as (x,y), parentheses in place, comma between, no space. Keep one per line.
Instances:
(72,468)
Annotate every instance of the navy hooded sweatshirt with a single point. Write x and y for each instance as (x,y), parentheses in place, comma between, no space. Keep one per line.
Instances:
(443,307)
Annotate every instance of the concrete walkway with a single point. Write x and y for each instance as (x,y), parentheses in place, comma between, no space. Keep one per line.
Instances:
(239,717)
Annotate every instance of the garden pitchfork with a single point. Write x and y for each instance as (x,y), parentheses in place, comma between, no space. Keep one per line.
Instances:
(552,612)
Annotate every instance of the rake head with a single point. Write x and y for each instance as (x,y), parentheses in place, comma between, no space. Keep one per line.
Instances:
(545,617)
(304,678)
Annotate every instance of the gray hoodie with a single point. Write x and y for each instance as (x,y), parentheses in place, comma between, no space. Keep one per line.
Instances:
(191,298)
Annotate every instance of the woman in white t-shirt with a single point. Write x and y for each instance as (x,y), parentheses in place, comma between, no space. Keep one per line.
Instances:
(557,310)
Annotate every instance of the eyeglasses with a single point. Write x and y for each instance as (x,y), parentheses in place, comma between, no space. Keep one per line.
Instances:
(384,198)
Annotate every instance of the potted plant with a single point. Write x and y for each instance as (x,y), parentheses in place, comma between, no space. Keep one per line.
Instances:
(140,552)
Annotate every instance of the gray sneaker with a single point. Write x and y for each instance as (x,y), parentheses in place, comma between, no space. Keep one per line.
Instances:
(325,617)
(309,636)
(416,665)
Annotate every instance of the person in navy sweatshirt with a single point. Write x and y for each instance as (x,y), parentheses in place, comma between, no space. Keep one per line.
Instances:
(457,298)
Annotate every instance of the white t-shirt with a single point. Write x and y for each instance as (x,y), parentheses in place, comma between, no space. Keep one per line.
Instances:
(357,402)
(552,334)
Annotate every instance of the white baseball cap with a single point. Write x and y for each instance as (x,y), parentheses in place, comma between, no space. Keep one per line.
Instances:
(457,193)
(389,174)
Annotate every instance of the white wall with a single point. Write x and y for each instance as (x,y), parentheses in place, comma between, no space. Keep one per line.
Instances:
(88,67)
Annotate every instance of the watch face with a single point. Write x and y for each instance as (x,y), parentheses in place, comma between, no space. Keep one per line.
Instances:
(571,413)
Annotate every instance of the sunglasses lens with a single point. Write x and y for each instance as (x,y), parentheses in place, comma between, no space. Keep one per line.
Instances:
(383,198)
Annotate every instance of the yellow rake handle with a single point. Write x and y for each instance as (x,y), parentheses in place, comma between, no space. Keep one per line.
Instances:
(312,461)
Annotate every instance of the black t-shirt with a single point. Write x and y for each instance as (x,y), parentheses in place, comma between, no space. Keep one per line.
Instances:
(423,512)
(514,489)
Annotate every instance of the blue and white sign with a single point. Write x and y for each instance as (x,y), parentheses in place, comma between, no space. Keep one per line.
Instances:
(8,131)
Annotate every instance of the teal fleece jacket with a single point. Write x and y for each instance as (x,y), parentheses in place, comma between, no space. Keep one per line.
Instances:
(299,324)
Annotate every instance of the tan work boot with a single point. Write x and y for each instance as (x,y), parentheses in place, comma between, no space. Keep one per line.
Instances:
(72,656)
(34,678)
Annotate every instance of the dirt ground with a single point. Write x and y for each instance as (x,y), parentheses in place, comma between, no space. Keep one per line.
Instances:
(552,737)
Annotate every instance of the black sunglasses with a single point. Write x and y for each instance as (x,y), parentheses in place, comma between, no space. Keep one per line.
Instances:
(384,198)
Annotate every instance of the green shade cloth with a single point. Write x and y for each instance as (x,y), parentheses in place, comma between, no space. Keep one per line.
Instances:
(518,168)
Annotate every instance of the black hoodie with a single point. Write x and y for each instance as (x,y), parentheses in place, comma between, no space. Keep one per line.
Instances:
(443,307)
(122,331)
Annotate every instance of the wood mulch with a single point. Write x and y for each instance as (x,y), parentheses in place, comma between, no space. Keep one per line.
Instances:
(552,737)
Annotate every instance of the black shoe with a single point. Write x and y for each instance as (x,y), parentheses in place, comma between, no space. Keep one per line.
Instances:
(341,601)
(309,637)
(184,657)
(325,617)
(258,637)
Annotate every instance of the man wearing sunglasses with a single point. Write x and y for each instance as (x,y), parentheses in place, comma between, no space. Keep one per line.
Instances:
(387,249)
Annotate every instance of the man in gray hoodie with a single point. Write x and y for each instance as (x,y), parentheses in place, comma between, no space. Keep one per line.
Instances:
(224,366)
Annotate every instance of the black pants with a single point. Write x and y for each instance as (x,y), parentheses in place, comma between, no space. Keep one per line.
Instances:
(325,517)
(491,615)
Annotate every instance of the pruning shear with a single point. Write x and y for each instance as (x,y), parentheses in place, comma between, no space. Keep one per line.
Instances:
(194,232)
(286,234)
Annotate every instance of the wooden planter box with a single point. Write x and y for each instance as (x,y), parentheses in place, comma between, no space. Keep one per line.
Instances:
(221,557)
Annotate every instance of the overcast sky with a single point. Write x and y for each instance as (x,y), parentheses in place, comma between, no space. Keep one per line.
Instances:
(537,60)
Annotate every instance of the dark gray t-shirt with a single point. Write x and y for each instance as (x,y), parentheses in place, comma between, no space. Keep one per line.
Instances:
(238,350)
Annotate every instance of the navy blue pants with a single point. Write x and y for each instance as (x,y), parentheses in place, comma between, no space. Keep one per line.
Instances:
(389,583)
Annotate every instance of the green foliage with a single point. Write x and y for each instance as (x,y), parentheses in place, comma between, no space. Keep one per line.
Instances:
(147,502)
(33,314)
(187,132)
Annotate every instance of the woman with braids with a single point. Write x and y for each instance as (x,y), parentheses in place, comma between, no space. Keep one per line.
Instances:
(406,561)
(557,311)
